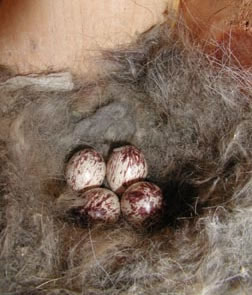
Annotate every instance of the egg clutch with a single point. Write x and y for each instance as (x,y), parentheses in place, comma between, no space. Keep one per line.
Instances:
(139,201)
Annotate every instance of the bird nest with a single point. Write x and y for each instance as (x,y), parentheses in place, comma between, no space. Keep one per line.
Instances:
(190,114)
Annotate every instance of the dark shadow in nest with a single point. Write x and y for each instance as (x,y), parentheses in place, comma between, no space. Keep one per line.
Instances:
(180,200)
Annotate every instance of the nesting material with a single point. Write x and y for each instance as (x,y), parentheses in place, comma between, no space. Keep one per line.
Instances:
(190,115)
(52,82)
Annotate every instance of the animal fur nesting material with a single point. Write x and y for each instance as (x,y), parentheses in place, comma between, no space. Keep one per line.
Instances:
(191,116)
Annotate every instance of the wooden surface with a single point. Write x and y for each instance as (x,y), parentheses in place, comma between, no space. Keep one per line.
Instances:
(208,19)
(53,35)
(56,35)
(220,24)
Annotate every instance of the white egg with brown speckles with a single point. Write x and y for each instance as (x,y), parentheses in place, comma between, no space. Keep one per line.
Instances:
(100,205)
(86,169)
(125,166)
(142,202)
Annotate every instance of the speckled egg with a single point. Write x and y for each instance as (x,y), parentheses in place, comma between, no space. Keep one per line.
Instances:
(125,166)
(142,202)
(100,205)
(85,169)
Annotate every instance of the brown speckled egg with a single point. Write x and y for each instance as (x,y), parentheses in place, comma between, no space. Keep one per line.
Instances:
(100,205)
(142,202)
(125,166)
(85,169)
